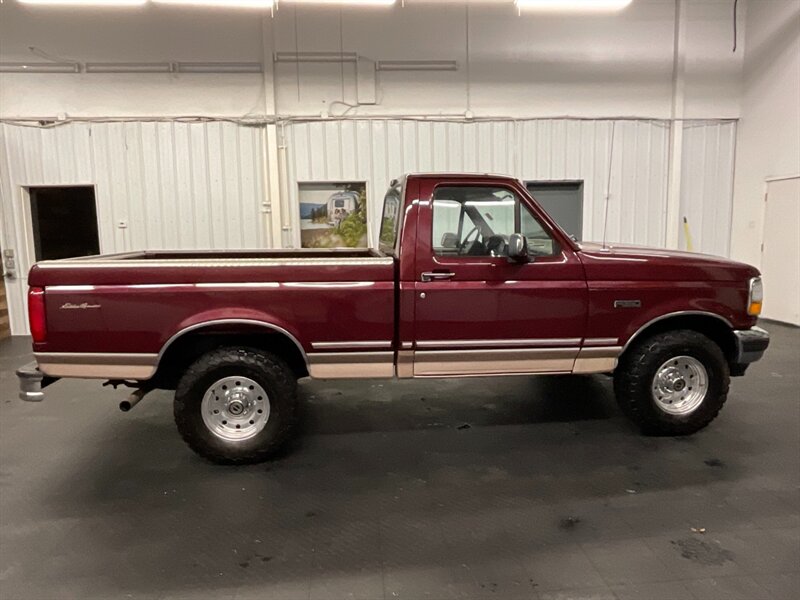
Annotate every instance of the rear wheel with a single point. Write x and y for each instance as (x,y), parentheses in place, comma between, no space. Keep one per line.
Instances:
(236,405)
(673,383)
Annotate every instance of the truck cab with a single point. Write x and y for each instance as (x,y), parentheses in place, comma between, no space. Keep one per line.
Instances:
(471,302)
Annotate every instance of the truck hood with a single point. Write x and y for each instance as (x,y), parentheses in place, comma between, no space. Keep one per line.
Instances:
(622,262)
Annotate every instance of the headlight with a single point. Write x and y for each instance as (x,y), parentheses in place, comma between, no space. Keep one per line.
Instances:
(755,297)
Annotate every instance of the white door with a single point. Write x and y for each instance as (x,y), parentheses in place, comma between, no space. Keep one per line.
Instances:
(780,252)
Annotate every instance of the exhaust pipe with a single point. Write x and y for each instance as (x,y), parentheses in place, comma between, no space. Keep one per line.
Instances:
(133,399)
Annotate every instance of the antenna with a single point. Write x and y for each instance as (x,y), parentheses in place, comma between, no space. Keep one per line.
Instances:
(608,180)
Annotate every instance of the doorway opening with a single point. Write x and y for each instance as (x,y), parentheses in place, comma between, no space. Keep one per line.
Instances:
(64,222)
(563,201)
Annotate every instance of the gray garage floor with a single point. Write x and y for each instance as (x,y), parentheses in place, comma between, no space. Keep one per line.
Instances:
(496,488)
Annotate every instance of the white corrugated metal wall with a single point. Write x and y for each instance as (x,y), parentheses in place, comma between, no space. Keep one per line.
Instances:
(173,184)
(709,151)
(546,150)
(549,150)
(201,185)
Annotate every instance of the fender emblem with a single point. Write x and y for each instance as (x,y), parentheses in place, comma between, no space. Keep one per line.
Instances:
(627,303)
(82,306)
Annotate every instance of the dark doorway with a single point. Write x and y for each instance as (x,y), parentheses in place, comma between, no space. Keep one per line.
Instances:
(563,201)
(64,222)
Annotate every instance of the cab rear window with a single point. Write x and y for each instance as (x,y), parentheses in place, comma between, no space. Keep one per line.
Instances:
(389,220)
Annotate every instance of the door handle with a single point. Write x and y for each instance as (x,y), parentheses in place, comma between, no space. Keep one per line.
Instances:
(437,276)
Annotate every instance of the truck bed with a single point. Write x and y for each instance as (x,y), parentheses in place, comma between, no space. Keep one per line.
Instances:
(135,303)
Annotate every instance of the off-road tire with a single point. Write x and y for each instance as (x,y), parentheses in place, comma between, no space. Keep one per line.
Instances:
(634,375)
(269,371)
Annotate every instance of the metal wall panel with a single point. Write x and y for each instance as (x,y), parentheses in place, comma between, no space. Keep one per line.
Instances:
(201,185)
(707,185)
(379,150)
(175,185)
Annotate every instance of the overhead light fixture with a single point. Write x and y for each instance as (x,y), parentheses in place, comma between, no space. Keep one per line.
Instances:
(218,67)
(416,65)
(39,67)
(572,5)
(85,2)
(315,57)
(345,2)
(220,3)
(128,67)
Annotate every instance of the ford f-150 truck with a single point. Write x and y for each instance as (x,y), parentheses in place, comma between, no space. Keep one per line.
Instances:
(470,278)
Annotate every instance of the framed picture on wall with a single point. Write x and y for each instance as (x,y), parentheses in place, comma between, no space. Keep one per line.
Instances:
(333,214)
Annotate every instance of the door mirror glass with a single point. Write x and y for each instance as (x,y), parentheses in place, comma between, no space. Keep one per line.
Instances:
(517,248)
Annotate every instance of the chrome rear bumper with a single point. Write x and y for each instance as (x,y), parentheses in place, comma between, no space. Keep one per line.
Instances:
(31,382)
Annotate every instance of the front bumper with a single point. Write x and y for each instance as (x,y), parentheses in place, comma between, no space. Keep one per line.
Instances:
(31,382)
(750,345)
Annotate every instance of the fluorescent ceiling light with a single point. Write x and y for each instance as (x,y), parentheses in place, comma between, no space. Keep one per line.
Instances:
(220,3)
(85,2)
(572,5)
(416,65)
(219,67)
(315,57)
(128,67)
(345,2)
(40,67)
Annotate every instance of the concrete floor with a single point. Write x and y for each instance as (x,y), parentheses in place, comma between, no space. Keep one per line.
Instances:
(493,488)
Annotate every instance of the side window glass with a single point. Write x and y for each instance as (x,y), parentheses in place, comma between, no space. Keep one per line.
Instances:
(446,224)
(389,218)
(472,221)
(478,220)
(539,241)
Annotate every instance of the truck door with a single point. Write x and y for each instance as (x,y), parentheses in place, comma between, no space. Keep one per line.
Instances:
(475,311)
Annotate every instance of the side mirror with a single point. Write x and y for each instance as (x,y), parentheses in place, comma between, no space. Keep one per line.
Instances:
(518,248)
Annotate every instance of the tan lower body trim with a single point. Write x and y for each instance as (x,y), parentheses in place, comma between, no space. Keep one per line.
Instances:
(493,362)
(405,364)
(91,365)
(597,360)
(351,365)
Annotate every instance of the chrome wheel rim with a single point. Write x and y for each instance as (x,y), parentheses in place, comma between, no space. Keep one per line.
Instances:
(235,408)
(680,385)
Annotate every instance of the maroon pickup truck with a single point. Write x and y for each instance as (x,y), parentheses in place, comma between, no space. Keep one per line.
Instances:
(471,278)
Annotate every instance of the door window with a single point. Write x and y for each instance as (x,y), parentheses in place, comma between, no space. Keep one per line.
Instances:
(539,241)
(478,220)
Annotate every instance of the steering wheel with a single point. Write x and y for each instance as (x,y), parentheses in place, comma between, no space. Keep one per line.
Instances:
(466,242)
(497,245)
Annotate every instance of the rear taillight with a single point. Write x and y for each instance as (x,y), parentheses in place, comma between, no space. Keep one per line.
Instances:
(36,315)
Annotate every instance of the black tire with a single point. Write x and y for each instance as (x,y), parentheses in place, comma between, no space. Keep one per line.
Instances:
(268,371)
(634,378)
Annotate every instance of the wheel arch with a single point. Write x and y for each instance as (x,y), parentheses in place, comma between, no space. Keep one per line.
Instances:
(714,326)
(191,342)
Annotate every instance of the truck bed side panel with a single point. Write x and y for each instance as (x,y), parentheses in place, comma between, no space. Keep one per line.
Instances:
(138,308)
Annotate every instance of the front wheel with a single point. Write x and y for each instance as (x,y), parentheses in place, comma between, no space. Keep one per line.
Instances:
(236,405)
(673,383)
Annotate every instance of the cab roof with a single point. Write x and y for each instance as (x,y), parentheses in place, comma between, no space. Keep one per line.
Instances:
(429,175)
